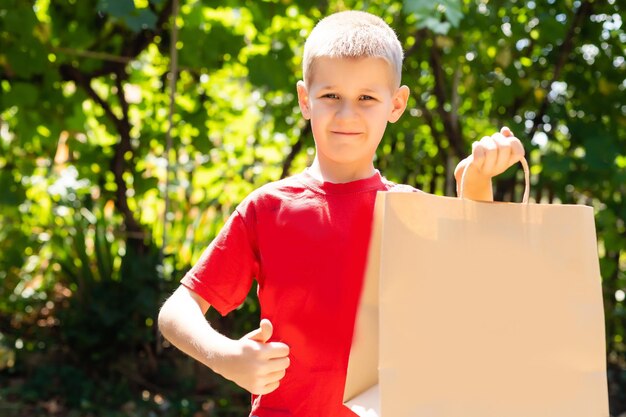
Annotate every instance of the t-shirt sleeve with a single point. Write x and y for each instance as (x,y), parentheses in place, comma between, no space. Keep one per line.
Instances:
(224,273)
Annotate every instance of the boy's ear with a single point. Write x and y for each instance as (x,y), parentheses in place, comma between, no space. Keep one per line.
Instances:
(400,99)
(303,100)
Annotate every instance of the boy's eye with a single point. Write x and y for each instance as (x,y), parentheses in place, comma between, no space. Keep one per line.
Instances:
(331,95)
(365,97)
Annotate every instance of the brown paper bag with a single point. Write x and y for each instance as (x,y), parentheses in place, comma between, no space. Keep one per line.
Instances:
(476,309)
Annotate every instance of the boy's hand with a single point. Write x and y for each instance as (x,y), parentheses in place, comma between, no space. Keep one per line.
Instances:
(254,364)
(496,153)
(491,156)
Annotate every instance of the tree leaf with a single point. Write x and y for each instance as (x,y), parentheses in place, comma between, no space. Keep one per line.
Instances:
(141,19)
(117,8)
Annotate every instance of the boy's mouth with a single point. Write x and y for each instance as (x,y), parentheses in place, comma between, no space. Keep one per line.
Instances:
(345,133)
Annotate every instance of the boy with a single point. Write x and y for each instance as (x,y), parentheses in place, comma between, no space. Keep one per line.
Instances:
(305,238)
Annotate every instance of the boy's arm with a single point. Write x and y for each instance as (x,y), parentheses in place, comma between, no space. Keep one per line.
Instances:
(491,156)
(250,362)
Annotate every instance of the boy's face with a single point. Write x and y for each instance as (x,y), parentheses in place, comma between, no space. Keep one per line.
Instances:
(349,102)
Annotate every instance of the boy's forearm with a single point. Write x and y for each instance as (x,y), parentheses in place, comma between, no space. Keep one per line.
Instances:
(477,186)
(251,362)
(183,324)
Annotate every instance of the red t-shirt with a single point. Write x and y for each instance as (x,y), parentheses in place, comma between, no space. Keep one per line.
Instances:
(305,242)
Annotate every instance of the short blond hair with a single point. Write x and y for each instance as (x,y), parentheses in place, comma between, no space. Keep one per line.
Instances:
(352,34)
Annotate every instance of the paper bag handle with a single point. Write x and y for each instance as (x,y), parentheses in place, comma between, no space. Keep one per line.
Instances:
(526,178)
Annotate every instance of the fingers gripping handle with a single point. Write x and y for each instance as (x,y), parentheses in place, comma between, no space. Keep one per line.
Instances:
(526,178)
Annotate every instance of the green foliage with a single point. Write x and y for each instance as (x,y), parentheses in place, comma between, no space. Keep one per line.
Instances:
(124,11)
(83,119)
(438,17)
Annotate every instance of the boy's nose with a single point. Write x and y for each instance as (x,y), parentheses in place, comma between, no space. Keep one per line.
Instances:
(346,111)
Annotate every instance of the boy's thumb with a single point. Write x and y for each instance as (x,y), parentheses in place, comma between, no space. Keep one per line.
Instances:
(263,333)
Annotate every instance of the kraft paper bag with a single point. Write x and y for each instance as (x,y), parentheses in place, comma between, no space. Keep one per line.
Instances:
(477,309)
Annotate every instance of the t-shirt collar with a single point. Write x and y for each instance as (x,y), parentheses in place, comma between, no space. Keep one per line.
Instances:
(374,182)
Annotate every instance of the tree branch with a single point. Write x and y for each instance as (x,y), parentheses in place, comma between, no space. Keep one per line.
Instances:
(434,132)
(451,128)
(71,73)
(102,56)
(136,45)
(565,48)
(118,166)
(295,149)
(418,35)
(504,186)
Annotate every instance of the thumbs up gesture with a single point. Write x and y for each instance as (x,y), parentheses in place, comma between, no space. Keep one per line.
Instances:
(254,363)
(263,333)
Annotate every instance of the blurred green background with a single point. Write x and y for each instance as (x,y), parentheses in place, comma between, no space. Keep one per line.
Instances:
(100,217)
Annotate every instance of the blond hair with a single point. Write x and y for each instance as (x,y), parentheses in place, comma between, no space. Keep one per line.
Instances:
(352,34)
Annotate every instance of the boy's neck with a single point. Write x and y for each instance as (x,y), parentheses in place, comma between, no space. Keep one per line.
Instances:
(339,174)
